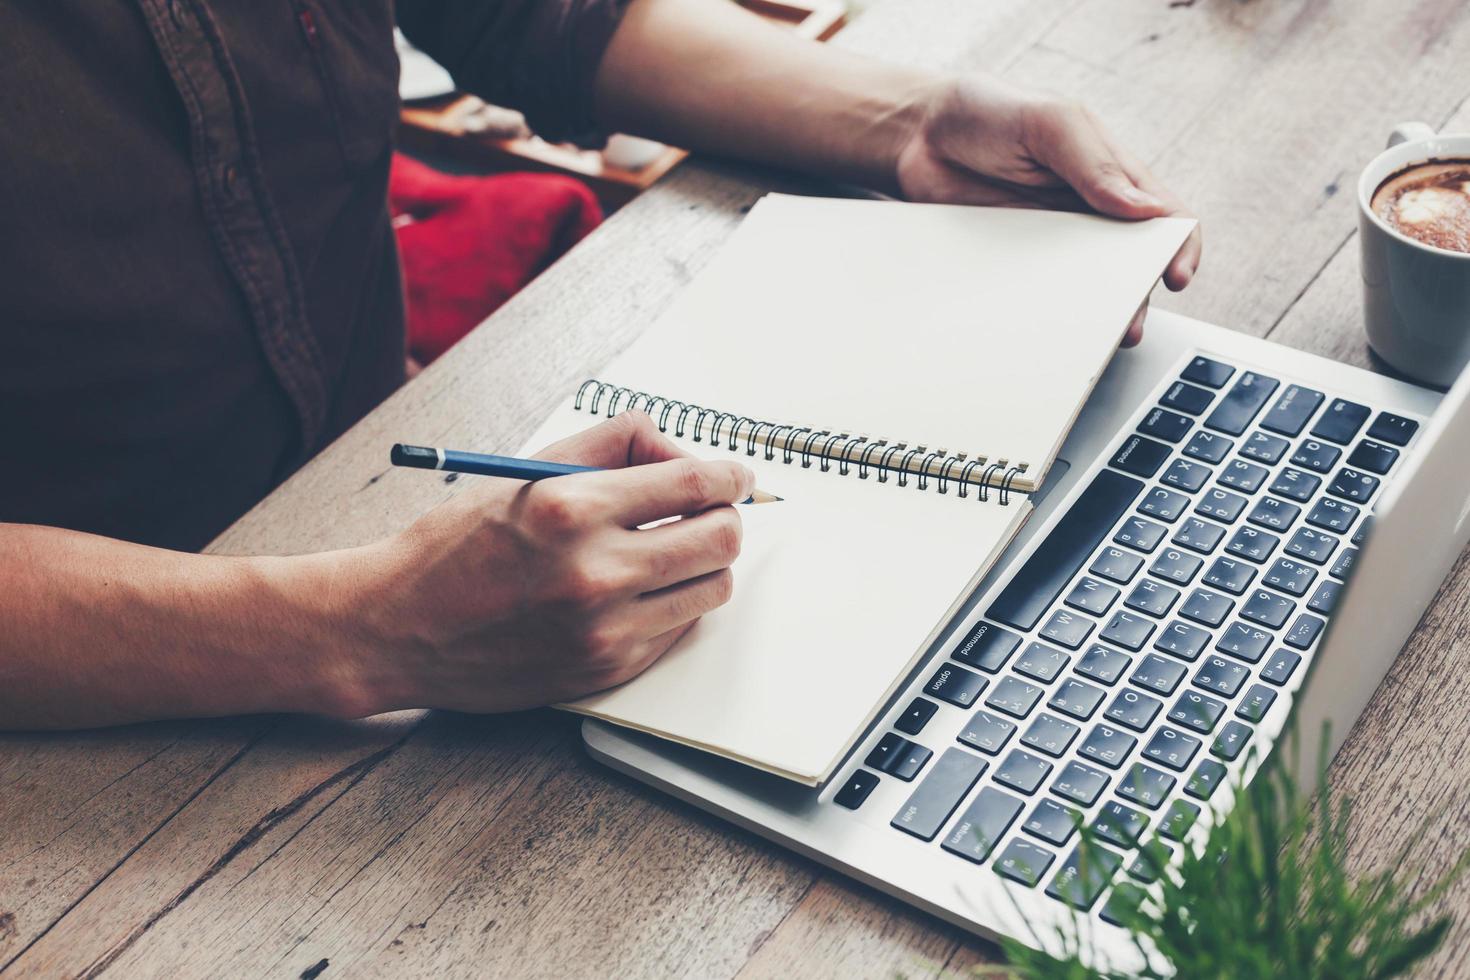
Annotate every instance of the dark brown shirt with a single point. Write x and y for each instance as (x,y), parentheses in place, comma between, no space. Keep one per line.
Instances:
(199,286)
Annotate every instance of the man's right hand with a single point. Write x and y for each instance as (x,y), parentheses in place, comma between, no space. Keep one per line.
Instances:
(513,595)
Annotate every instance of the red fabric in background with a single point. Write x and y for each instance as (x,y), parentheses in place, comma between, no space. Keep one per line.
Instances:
(470,243)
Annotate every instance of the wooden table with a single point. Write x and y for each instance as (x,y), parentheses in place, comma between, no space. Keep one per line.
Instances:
(440,844)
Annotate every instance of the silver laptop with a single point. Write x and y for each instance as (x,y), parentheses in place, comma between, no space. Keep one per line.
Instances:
(1139,643)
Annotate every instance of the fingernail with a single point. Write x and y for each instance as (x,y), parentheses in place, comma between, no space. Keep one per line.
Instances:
(1140,198)
(749,475)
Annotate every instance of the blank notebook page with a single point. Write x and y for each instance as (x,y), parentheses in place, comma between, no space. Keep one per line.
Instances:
(839,589)
(963,329)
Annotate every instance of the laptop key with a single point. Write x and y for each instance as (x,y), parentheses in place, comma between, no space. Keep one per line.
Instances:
(1221,676)
(956,685)
(1207,777)
(1264,448)
(1341,421)
(986,732)
(1208,447)
(1372,456)
(1363,529)
(1274,513)
(1292,410)
(1050,734)
(1325,598)
(1024,862)
(1080,783)
(1332,515)
(1198,535)
(1231,575)
(1252,544)
(1267,608)
(915,716)
(1256,703)
(1211,374)
(1052,822)
(1291,577)
(1107,745)
(1166,505)
(1068,629)
(1041,662)
(982,825)
(1343,567)
(1140,456)
(1022,771)
(1177,822)
(1083,876)
(1150,860)
(1176,566)
(1145,786)
(1102,664)
(1090,595)
(1314,455)
(1280,667)
(1222,505)
(1314,546)
(1076,698)
(1295,484)
(1197,712)
(1133,709)
(1351,484)
(1186,398)
(1014,696)
(1116,565)
(1206,607)
(1154,598)
(1240,405)
(1182,640)
(1304,631)
(1231,740)
(1166,425)
(1172,748)
(1128,631)
(987,646)
(897,755)
(1038,582)
(1243,476)
(1244,642)
(1185,475)
(1119,824)
(1156,674)
(856,790)
(940,794)
(1393,429)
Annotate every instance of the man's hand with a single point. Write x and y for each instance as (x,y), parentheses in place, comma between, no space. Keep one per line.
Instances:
(514,595)
(981,141)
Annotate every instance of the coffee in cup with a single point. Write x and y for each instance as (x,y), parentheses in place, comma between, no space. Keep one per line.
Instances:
(1429,202)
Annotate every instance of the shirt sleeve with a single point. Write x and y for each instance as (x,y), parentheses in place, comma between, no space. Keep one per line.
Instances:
(538,56)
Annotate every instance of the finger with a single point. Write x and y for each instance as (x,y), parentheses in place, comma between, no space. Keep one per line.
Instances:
(1065,139)
(1182,267)
(658,612)
(1135,326)
(628,439)
(641,495)
(688,548)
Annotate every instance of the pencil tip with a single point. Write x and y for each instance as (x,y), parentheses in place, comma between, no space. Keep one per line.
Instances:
(762,497)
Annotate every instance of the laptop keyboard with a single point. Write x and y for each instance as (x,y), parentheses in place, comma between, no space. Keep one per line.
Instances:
(1126,663)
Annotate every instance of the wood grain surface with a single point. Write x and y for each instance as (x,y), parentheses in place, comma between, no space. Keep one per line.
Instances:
(434,844)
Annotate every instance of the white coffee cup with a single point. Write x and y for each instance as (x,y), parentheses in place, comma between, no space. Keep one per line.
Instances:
(1416,297)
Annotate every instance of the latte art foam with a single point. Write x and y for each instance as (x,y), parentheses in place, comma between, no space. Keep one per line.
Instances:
(1429,203)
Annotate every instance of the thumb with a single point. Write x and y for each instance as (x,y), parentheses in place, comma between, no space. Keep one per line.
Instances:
(1069,143)
(628,439)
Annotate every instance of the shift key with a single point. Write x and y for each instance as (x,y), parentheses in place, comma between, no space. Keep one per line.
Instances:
(1235,412)
(948,783)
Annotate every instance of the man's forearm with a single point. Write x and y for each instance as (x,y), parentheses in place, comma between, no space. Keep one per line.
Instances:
(99,632)
(711,76)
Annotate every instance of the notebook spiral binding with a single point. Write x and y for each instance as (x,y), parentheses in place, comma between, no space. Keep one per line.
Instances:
(866,455)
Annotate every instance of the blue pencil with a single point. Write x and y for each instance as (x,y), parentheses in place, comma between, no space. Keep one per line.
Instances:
(454,461)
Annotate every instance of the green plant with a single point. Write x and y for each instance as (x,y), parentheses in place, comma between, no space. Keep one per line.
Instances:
(1270,895)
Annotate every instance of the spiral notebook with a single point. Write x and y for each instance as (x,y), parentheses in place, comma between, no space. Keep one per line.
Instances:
(902,375)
